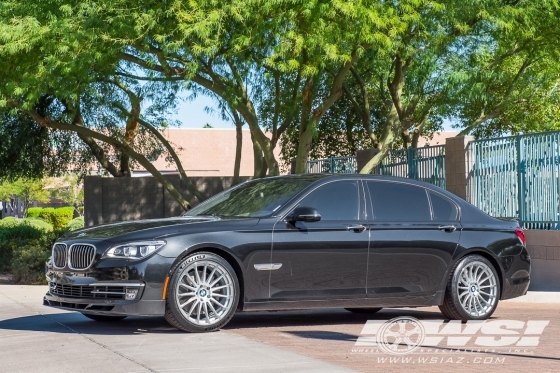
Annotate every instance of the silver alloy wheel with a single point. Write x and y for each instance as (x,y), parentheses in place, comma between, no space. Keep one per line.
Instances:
(477,289)
(205,292)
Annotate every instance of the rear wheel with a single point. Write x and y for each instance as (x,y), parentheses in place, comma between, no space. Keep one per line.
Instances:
(203,293)
(364,310)
(104,318)
(473,290)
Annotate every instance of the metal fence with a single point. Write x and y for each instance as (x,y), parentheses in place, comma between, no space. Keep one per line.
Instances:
(425,164)
(518,176)
(337,165)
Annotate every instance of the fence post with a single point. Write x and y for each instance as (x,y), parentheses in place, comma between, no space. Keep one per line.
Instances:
(456,165)
(520,180)
(411,163)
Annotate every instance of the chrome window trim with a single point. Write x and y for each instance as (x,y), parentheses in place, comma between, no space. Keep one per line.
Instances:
(70,253)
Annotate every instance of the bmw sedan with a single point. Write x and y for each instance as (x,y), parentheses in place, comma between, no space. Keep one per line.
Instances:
(295,242)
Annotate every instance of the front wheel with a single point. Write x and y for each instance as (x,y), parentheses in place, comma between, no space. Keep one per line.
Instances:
(203,293)
(473,290)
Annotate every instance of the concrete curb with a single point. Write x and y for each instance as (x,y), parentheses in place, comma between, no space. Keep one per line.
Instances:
(537,297)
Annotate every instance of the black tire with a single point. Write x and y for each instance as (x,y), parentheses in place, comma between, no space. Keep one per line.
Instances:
(104,318)
(371,310)
(178,317)
(452,307)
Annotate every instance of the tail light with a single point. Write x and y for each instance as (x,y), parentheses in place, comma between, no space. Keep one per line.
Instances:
(521,235)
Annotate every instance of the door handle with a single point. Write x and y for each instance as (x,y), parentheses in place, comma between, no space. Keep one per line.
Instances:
(447,228)
(356,228)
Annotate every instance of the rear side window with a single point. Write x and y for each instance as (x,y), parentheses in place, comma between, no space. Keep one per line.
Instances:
(335,201)
(443,208)
(398,202)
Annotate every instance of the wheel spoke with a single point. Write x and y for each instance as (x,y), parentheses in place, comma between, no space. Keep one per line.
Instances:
(204,273)
(221,296)
(197,275)
(187,286)
(217,280)
(191,294)
(212,308)
(192,307)
(206,313)
(211,274)
(215,301)
(198,312)
(221,287)
(187,302)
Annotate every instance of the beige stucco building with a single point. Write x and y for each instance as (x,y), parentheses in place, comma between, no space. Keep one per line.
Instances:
(211,151)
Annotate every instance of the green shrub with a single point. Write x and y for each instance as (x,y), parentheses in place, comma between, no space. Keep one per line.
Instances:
(58,218)
(76,223)
(28,262)
(38,223)
(9,221)
(17,235)
(34,212)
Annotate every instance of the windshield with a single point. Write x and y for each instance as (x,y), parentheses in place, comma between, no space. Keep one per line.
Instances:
(258,198)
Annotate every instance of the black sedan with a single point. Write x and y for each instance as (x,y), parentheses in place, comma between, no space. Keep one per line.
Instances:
(295,242)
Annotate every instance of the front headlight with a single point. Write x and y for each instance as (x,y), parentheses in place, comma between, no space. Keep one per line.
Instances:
(134,250)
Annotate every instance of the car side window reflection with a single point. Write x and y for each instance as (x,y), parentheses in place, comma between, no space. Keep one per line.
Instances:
(335,201)
(442,208)
(398,202)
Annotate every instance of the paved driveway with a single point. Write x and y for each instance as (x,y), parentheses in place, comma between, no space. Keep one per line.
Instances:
(33,338)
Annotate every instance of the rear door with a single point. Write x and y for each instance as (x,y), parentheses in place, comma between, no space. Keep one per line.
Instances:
(414,232)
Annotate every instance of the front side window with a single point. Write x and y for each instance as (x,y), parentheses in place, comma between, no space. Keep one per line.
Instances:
(335,201)
(398,202)
(258,198)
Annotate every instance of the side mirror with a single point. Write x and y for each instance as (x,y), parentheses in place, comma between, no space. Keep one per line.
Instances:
(305,213)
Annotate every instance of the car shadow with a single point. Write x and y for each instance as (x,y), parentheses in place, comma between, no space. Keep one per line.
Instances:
(74,322)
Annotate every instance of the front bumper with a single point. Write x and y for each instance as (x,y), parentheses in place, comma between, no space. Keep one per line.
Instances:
(111,287)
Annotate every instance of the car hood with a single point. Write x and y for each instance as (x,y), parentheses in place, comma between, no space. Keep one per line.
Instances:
(152,228)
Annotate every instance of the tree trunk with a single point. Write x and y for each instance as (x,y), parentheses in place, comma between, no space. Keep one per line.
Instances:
(390,132)
(238,148)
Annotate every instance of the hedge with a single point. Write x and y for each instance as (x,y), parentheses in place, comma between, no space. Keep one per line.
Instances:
(76,223)
(25,245)
(58,218)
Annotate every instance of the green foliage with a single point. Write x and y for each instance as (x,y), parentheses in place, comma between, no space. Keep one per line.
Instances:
(8,222)
(34,212)
(70,189)
(28,262)
(58,218)
(23,246)
(26,190)
(38,224)
(76,223)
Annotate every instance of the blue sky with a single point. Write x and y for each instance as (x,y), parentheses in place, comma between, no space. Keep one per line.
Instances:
(193,115)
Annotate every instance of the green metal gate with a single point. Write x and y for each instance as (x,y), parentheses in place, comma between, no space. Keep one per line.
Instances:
(518,176)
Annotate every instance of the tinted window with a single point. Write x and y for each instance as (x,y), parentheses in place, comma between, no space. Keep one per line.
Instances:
(256,198)
(335,201)
(443,208)
(398,202)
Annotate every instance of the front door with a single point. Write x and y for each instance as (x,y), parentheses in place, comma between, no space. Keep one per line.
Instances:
(325,259)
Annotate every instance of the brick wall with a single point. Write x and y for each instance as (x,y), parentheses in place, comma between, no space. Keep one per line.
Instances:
(544,248)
